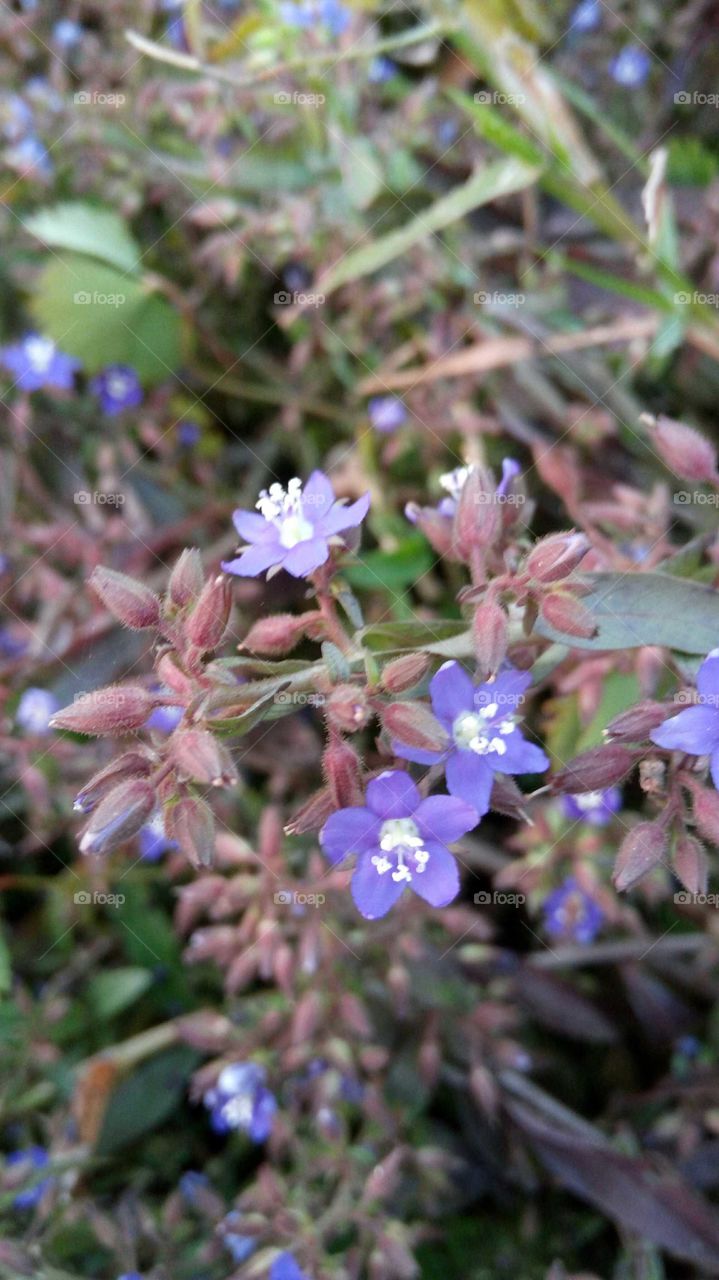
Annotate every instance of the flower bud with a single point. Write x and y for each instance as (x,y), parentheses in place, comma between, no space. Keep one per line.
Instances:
(567,614)
(341,767)
(170,674)
(313,814)
(192,824)
(347,708)
(639,853)
(129,765)
(705,810)
(636,724)
(683,450)
(276,635)
(490,634)
(131,602)
(477,519)
(186,578)
(208,620)
(557,556)
(690,864)
(119,816)
(506,797)
(405,672)
(116,709)
(596,769)
(414,724)
(557,467)
(199,755)
(436,528)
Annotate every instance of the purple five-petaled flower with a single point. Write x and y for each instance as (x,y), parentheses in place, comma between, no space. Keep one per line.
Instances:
(696,729)
(595,807)
(400,841)
(571,914)
(117,387)
(241,1100)
(36,363)
(293,528)
(480,721)
(286,1267)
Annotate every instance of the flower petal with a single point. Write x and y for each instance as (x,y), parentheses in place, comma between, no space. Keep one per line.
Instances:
(393,794)
(445,818)
(470,778)
(520,756)
(416,754)
(695,730)
(507,690)
(345,517)
(254,560)
(451,691)
(438,884)
(252,527)
(307,556)
(317,497)
(708,678)
(349,831)
(374,894)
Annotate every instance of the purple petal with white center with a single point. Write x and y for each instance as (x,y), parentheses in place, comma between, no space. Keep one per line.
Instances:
(708,678)
(254,560)
(343,517)
(470,778)
(438,884)
(520,756)
(507,689)
(695,730)
(305,557)
(393,795)
(715,768)
(445,818)
(317,497)
(253,527)
(349,831)
(416,754)
(451,691)
(374,894)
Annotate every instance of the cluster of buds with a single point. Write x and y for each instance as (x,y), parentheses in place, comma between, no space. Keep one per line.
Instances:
(165,773)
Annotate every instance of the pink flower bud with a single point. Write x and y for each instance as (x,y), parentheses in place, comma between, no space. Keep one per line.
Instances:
(116,709)
(705,809)
(119,816)
(557,556)
(341,766)
(490,634)
(313,814)
(436,527)
(199,755)
(636,724)
(276,635)
(477,519)
(596,769)
(191,823)
(186,578)
(129,765)
(347,708)
(414,724)
(690,863)
(506,797)
(640,851)
(567,614)
(131,602)
(684,451)
(557,467)
(170,674)
(208,620)
(405,672)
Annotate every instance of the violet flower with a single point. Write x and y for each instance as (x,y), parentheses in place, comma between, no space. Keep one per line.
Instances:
(484,738)
(401,840)
(293,528)
(453,483)
(34,1158)
(286,1267)
(240,1100)
(571,914)
(35,710)
(586,16)
(595,807)
(386,413)
(630,67)
(696,729)
(154,841)
(36,363)
(117,387)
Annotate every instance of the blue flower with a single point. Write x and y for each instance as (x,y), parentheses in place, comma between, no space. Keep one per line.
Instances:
(16,117)
(381,69)
(193,1183)
(164,719)
(154,841)
(630,67)
(67,33)
(117,387)
(35,710)
(36,363)
(571,914)
(285,1267)
(587,16)
(481,726)
(309,13)
(696,729)
(33,1158)
(386,413)
(30,156)
(240,1100)
(596,807)
(188,433)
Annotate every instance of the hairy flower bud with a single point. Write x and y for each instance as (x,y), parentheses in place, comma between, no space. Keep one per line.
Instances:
(414,724)
(313,814)
(557,466)
(490,634)
(198,754)
(341,766)
(636,724)
(437,528)
(596,769)
(567,614)
(477,519)
(208,620)
(691,864)
(131,602)
(640,851)
(129,765)
(557,556)
(170,674)
(186,578)
(347,708)
(116,709)
(405,672)
(119,816)
(685,451)
(705,809)
(191,823)
(278,634)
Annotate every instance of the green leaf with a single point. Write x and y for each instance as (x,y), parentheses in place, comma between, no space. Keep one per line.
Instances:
(84,228)
(146,1099)
(113,990)
(394,570)
(5,968)
(104,317)
(634,609)
(620,689)
(415,633)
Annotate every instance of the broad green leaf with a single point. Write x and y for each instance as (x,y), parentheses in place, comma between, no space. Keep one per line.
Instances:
(394,570)
(84,228)
(113,990)
(104,317)
(620,690)
(415,633)
(634,609)
(147,1098)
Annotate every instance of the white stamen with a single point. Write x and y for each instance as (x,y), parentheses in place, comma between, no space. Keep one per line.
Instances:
(40,352)
(454,481)
(283,508)
(400,837)
(588,800)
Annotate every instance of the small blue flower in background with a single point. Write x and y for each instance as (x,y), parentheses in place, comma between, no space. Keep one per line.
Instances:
(117,387)
(67,33)
(35,710)
(571,914)
(381,69)
(387,413)
(164,719)
(188,433)
(16,117)
(696,729)
(293,528)
(241,1100)
(631,66)
(481,724)
(191,1183)
(587,16)
(154,841)
(34,1158)
(400,841)
(11,645)
(30,156)
(596,807)
(310,13)
(285,1267)
(130,1275)
(241,1247)
(36,363)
